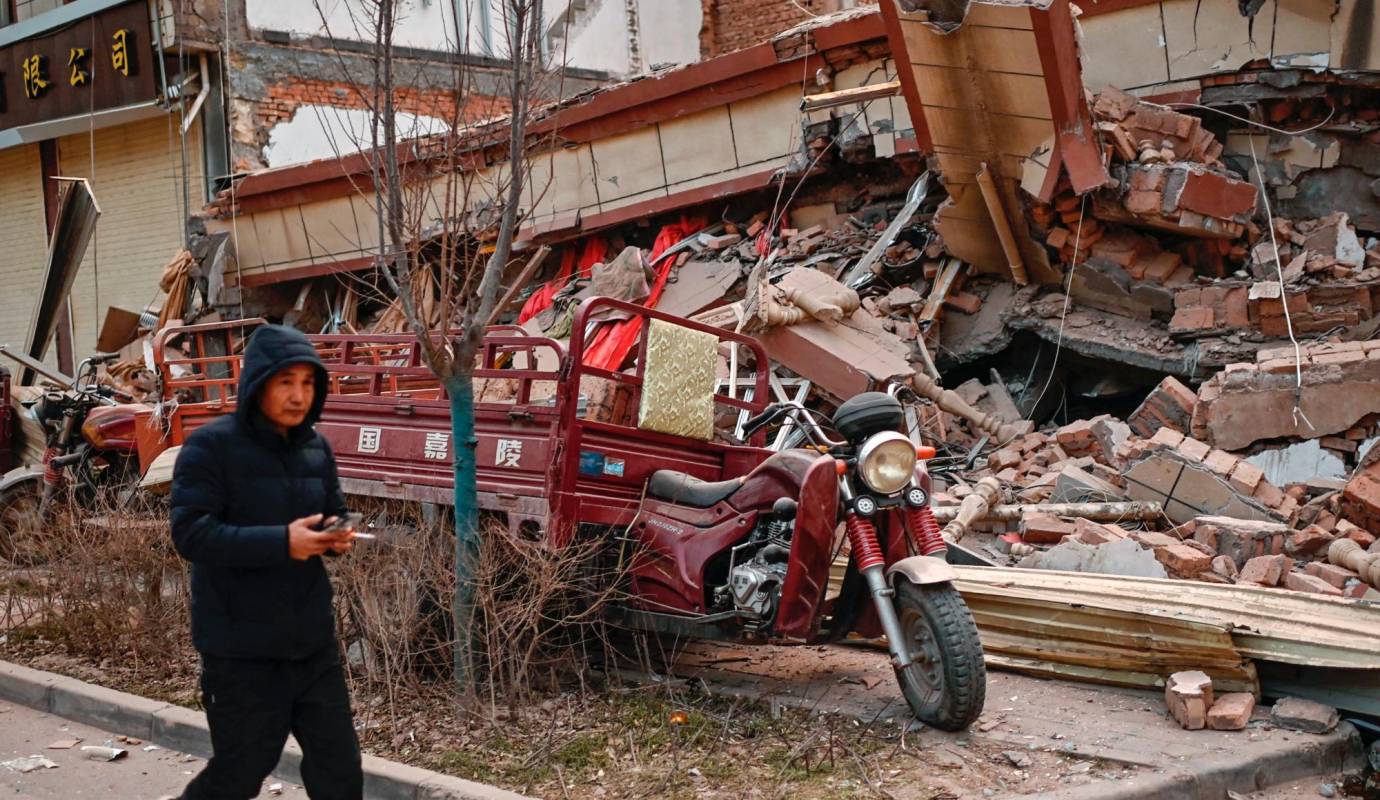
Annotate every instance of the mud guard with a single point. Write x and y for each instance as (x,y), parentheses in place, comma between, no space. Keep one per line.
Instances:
(18,475)
(921,570)
(807,571)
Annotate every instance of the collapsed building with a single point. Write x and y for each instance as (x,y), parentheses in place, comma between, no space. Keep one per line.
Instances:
(1125,255)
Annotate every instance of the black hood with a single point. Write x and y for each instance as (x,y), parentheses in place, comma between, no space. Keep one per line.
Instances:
(271,348)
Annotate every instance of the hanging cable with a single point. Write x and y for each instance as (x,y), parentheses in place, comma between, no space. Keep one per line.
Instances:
(1063,315)
(1283,296)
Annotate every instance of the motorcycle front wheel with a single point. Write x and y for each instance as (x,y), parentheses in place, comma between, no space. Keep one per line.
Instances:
(946,681)
(21,524)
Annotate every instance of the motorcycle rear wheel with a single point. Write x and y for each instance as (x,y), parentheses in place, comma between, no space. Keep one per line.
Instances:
(946,682)
(21,525)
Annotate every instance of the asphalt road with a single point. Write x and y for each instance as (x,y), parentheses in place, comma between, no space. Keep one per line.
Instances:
(140,775)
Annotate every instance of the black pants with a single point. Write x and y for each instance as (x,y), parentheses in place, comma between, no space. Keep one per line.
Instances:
(253,704)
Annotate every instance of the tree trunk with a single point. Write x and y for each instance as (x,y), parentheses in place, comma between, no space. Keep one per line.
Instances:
(460,388)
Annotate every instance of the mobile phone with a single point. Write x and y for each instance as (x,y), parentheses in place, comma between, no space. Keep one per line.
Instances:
(345,522)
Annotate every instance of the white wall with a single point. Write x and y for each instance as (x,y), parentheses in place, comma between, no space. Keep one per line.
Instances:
(597,37)
(326,132)
(428,24)
(597,34)
(670,31)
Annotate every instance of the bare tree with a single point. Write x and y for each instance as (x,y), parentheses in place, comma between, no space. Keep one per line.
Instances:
(447,293)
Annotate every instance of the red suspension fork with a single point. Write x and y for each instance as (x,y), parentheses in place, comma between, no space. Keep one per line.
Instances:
(924,530)
(862,537)
(867,554)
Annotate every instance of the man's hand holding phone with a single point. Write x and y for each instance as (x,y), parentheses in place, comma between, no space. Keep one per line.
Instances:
(305,541)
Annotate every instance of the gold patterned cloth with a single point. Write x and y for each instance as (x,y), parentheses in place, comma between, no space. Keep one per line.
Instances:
(678,381)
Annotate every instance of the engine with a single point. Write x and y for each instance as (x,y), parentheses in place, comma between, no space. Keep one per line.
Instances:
(754,582)
(756,585)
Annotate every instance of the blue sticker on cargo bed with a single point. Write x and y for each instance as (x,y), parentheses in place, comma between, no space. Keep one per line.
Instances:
(591,463)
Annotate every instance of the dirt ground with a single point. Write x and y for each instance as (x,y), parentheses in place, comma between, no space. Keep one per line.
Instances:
(621,740)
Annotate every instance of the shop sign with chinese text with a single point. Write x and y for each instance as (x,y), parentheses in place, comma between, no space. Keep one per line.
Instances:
(99,62)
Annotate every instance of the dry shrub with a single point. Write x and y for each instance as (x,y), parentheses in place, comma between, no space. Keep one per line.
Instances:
(538,611)
(540,614)
(111,586)
(106,581)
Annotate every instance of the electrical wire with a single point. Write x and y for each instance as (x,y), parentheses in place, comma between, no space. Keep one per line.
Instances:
(1063,315)
(1330,113)
(1283,296)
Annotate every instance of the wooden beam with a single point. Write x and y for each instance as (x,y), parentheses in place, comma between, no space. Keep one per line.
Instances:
(843,97)
(533,264)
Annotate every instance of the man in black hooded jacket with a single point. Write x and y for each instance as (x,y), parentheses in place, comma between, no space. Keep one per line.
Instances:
(250,492)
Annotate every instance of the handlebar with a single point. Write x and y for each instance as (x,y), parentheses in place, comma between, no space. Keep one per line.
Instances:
(766,415)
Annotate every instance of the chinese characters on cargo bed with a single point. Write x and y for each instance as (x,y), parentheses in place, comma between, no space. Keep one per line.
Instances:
(436,447)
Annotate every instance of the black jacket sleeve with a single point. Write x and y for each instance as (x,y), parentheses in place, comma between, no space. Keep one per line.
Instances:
(198,502)
(335,498)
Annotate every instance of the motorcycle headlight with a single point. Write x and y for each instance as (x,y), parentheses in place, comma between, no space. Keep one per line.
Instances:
(886,462)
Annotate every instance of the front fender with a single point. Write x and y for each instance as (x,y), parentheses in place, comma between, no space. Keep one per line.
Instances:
(921,570)
(807,571)
(18,475)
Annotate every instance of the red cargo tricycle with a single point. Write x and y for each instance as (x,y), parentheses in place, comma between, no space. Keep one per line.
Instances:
(735,540)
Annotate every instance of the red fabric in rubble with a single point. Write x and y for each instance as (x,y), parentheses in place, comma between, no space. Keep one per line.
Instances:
(584,259)
(613,341)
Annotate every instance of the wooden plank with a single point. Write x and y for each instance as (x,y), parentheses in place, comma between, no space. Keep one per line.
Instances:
(998,15)
(1267,624)
(842,97)
(523,278)
(998,92)
(994,49)
(969,131)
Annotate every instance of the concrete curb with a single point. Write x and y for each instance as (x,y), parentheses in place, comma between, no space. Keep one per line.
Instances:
(1210,778)
(183,729)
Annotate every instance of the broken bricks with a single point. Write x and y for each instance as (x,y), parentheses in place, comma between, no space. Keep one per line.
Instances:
(1188,696)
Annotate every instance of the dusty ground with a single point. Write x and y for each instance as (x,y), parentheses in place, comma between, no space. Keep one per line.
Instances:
(624,740)
(143,774)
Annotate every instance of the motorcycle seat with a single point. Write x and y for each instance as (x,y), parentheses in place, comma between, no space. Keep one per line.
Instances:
(678,487)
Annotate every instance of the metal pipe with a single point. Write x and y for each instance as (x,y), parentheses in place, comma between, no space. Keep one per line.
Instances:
(1139,510)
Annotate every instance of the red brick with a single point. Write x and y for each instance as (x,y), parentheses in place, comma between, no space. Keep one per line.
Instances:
(1269,494)
(1235,310)
(1144,202)
(1076,437)
(1045,529)
(1308,541)
(1217,196)
(1193,450)
(1221,462)
(1263,570)
(1183,560)
(964,301)
(1188,696)
(1224,566)
(1333,574)
(1231,712)
(1153,540)
(1162,266)
(1302,582)
(1246,476)
(1192,319)
(1362,537)
(1351,357)
(1167,437)
(1003,458)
